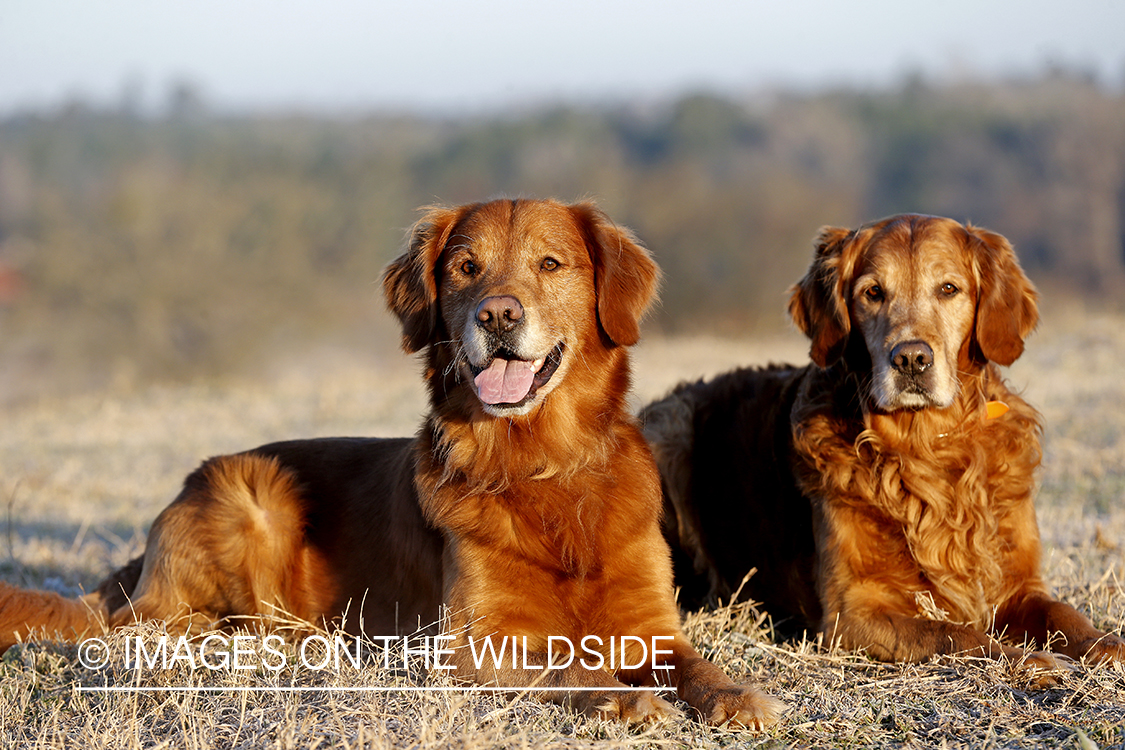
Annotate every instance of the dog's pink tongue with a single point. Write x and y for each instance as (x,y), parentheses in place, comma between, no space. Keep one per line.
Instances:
(505,381)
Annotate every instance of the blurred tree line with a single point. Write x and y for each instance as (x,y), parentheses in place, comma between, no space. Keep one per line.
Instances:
(193,244)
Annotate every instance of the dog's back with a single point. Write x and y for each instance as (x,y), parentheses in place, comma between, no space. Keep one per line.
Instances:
(312,528)
(728,440)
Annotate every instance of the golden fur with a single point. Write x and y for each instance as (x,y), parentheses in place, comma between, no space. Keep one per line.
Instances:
(528,503)
(550,507)
(878,500)
(303,530)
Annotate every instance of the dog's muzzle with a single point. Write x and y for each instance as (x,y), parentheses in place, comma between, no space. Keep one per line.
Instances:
(506,378)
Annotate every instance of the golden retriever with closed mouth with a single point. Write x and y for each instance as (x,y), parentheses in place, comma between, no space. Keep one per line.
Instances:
(528,503)
(883,492)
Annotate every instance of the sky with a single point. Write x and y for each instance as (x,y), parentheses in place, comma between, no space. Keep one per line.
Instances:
(455,56)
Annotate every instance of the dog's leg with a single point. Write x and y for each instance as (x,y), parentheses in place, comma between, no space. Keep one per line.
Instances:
(891,637)
(1060,626)
(716,697)
(592,691)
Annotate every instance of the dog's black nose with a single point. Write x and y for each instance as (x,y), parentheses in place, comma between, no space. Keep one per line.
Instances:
(912,357)
(499,314)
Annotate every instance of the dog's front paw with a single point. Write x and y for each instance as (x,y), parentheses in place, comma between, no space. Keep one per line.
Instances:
(741,705)
(1043,669)
(1108,647)
(632,707)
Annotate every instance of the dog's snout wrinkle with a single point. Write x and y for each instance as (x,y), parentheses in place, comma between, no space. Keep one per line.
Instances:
(499,314)
(912,357)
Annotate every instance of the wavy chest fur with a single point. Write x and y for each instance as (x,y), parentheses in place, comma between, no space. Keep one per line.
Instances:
(933,491)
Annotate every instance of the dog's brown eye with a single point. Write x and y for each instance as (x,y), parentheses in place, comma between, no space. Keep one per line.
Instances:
(469,268)
(549,264)
(949,289)
(874,293)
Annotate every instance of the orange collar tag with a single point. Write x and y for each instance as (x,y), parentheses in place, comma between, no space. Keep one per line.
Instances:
(994,409)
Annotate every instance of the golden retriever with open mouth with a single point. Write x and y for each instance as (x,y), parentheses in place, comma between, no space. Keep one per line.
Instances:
(544,489)
(529,502)
(884,492)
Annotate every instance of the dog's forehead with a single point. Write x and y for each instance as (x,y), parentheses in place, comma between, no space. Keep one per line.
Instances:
(926,245)
(512,228)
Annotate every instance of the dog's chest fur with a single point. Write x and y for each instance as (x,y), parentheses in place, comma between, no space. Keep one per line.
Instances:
(927,497)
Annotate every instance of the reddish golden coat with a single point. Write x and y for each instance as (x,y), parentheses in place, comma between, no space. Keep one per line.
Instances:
(877,500)
(550,507)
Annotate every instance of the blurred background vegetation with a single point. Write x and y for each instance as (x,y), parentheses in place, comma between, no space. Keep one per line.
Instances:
(136,249)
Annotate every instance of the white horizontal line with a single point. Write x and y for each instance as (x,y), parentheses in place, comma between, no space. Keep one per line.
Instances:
(372,689)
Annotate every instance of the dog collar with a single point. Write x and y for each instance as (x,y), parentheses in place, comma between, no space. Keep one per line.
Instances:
(992,410)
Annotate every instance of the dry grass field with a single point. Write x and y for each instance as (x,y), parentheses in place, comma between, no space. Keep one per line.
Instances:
(81,479)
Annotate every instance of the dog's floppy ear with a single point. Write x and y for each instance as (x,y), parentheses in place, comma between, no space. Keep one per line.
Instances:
(817,303)
(410,283)
(625,275)
(1007,303)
